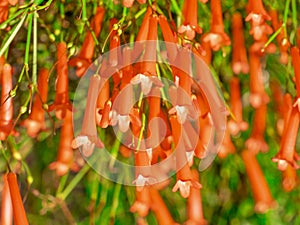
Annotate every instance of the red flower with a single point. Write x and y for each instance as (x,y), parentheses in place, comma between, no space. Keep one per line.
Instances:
(159,209)
(36,120)
(257,13)
(88,137)
(216,37)
(258,95)
(194,205)
(190,24)
(61,103)
(282,40)
(295,61)
(64,160)
(287,154)
(184,176)
(6,205)
(236,124)
(259,186)
(6,108)
(256,142)
(83,60)
(239,53)
(16,199)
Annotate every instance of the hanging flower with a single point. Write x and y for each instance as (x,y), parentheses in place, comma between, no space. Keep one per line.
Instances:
(260,189)
(183,174)
(295,61)
(88,137)
(62,102)
(256,142)
(159,209)
(36,120)
(258,95)
(190,24)
(142,203)
(194,205)
(216,37)
(64,160)
(6,204)
(6,108)
(20,217)
(236,124)
(239,53)
(282,40)
(83,60)
(287,154)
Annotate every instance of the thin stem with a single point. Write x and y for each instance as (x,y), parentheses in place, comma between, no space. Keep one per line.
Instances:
(84,18)
(141,131)
(115,149)
(34,66)
(61,184)
(13,34)
(274,35)
(63,195)
(285,15)
(27,48)
(294,14)
(116,195)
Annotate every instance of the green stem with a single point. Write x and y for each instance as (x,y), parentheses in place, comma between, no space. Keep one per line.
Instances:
(141,131)
(116,197)
(84,17)
(63,195)
(34,61)
(61,184)
(115,149)
(274,35)
(27,48)
(6,22)
(285,15)
(294,14)
(13,34)
(176,7)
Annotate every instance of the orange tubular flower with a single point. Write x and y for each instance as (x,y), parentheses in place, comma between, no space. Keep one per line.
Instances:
(114,54)
(258,95)
(237,124)
(142,203)
(298,37)
(147,76)
(216,37)
(65,151)
(143,31)
(282,40)
(6,110)
(256,142)
(17,204)
(287,154)
(260,189)
(88,137)
(36,120)
(83,60)
(290,179)
(184,176)
(239,53)
(295,61)
(190,24)
(61,103)
(160,210)
(6,205)
(169,38)
(194,205)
